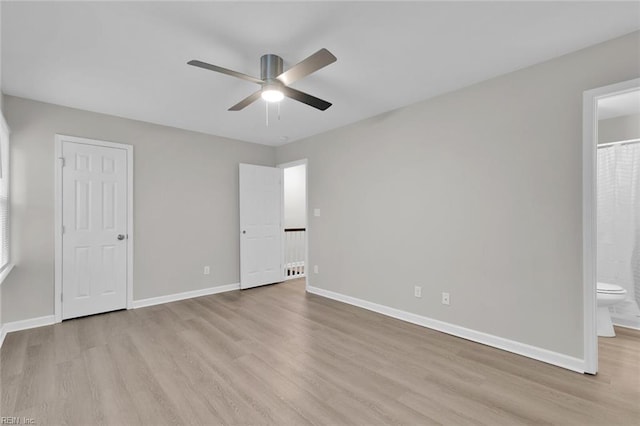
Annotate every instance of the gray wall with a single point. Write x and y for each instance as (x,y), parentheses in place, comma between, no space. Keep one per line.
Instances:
(618,129)
(186,203)
(476,192)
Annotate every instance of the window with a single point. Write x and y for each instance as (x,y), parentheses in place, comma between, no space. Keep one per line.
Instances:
(4,195)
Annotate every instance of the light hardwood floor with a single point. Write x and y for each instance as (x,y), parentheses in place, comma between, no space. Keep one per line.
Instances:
(275,355)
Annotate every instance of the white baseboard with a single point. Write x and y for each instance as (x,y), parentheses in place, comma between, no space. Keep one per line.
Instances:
(5,272)
(540,354)
(25,325)
(50,319)
(294,277)
(185,295)
(626,321)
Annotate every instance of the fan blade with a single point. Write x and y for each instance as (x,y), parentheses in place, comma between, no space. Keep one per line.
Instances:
(232,73)
(313,63)
(305,98)
(246,101)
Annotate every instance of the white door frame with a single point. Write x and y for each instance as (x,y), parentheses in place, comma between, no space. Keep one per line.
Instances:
(589,213)
(59,139)
(307,270)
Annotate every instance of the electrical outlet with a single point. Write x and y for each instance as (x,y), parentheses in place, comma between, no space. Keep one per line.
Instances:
(207,270)
(417,291)
(446,300)
(316,270)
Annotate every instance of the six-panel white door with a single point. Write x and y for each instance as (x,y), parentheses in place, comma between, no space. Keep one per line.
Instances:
(261,232)
(94,220)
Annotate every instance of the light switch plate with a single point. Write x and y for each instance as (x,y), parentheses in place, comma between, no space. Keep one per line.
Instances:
(316,212)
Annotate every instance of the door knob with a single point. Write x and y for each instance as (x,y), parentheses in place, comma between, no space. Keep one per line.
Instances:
(244,232)
(120,237)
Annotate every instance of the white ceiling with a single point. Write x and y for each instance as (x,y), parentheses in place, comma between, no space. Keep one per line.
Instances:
(619,105)
(129,59)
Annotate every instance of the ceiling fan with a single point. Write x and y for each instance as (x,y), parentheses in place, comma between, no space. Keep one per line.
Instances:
(274,82)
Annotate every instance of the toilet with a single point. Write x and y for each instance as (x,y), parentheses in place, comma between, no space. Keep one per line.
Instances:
(607,295)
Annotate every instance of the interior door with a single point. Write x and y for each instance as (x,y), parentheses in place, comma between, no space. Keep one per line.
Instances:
(261,232)
(94,220)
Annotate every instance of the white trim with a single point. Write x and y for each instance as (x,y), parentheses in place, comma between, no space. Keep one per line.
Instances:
(589,136)
(294,277)
(540,354)
(306,207)
(51,319)
(57,231)
(589,233)
(28,323)
(6,132)
(185,295)
(626,321)
(25,325)
(293,164)
(3,123)
(283,276)
(605,145)
(130,227)
(5,272)
(59,139)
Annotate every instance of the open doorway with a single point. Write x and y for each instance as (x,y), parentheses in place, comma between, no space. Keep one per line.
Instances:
(295,219)
(618,213)
(611,213)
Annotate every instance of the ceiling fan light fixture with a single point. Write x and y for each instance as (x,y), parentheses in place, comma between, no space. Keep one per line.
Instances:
(272,94)
(275,82)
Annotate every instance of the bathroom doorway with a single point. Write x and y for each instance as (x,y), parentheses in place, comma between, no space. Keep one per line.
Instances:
(618,204)
(611,212)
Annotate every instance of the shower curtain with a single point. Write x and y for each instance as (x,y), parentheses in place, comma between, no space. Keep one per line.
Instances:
(618,210)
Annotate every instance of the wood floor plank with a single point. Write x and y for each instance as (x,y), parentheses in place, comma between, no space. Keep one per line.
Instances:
(214,374)
(38,383)
(276,355)
(13,355)
(153,405)
(295,394)
(178,389)
(109,387)
(81,405)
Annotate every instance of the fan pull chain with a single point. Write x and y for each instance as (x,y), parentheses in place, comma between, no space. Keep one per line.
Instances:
(266,112)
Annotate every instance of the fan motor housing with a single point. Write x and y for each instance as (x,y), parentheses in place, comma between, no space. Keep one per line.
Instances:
(271,66)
